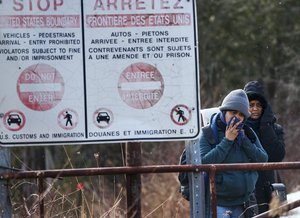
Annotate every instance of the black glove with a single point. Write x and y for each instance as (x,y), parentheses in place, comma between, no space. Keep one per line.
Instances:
(268,116)
(249,133)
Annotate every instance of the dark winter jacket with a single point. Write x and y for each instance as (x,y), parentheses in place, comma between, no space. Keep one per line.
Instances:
(233,187)
(271,136)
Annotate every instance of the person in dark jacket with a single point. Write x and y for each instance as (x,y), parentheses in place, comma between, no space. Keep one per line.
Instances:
(235,143)
(271,136)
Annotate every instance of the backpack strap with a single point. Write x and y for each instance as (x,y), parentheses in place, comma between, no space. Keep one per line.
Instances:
(209,135)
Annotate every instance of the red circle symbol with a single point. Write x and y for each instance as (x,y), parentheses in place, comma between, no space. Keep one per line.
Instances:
(14,120)
(103,118)
(141,85)
(67,119)
(180,114)
(40,87)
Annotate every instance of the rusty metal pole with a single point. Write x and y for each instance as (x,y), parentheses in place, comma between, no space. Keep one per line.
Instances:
(213,192)
(133,181)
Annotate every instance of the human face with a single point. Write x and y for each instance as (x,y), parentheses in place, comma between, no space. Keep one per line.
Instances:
(238,114)
(255,109)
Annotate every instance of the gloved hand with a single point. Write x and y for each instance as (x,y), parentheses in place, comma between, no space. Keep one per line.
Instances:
(268,137)
(268,116)
(249,133)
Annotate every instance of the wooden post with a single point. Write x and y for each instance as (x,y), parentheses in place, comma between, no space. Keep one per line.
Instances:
(133,181)
(40,182)
(5,204)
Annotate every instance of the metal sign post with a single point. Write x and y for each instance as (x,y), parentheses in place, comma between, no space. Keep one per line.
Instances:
(196,181)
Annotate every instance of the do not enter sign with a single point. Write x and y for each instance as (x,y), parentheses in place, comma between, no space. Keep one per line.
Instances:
(141,85)
(40,87)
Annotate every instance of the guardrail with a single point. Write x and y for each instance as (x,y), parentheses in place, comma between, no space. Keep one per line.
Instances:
(132,170)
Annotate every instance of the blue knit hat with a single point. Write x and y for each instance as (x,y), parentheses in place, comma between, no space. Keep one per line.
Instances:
(236,100)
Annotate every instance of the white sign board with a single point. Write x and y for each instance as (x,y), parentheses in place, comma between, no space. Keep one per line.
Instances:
(93,71)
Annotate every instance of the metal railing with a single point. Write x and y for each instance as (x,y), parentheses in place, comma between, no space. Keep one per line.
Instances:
(210,168)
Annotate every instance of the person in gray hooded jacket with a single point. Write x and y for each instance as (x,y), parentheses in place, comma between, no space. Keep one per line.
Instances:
(235,143)
(271,136)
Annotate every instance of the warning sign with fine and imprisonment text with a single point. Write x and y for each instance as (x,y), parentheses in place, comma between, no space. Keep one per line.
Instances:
(98,71)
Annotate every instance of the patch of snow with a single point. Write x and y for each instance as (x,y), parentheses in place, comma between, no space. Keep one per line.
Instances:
(295,212)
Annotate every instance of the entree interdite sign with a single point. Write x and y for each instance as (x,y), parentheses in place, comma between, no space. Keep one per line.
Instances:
(96,71)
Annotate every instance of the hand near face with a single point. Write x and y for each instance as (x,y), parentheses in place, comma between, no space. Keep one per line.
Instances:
(234,124)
